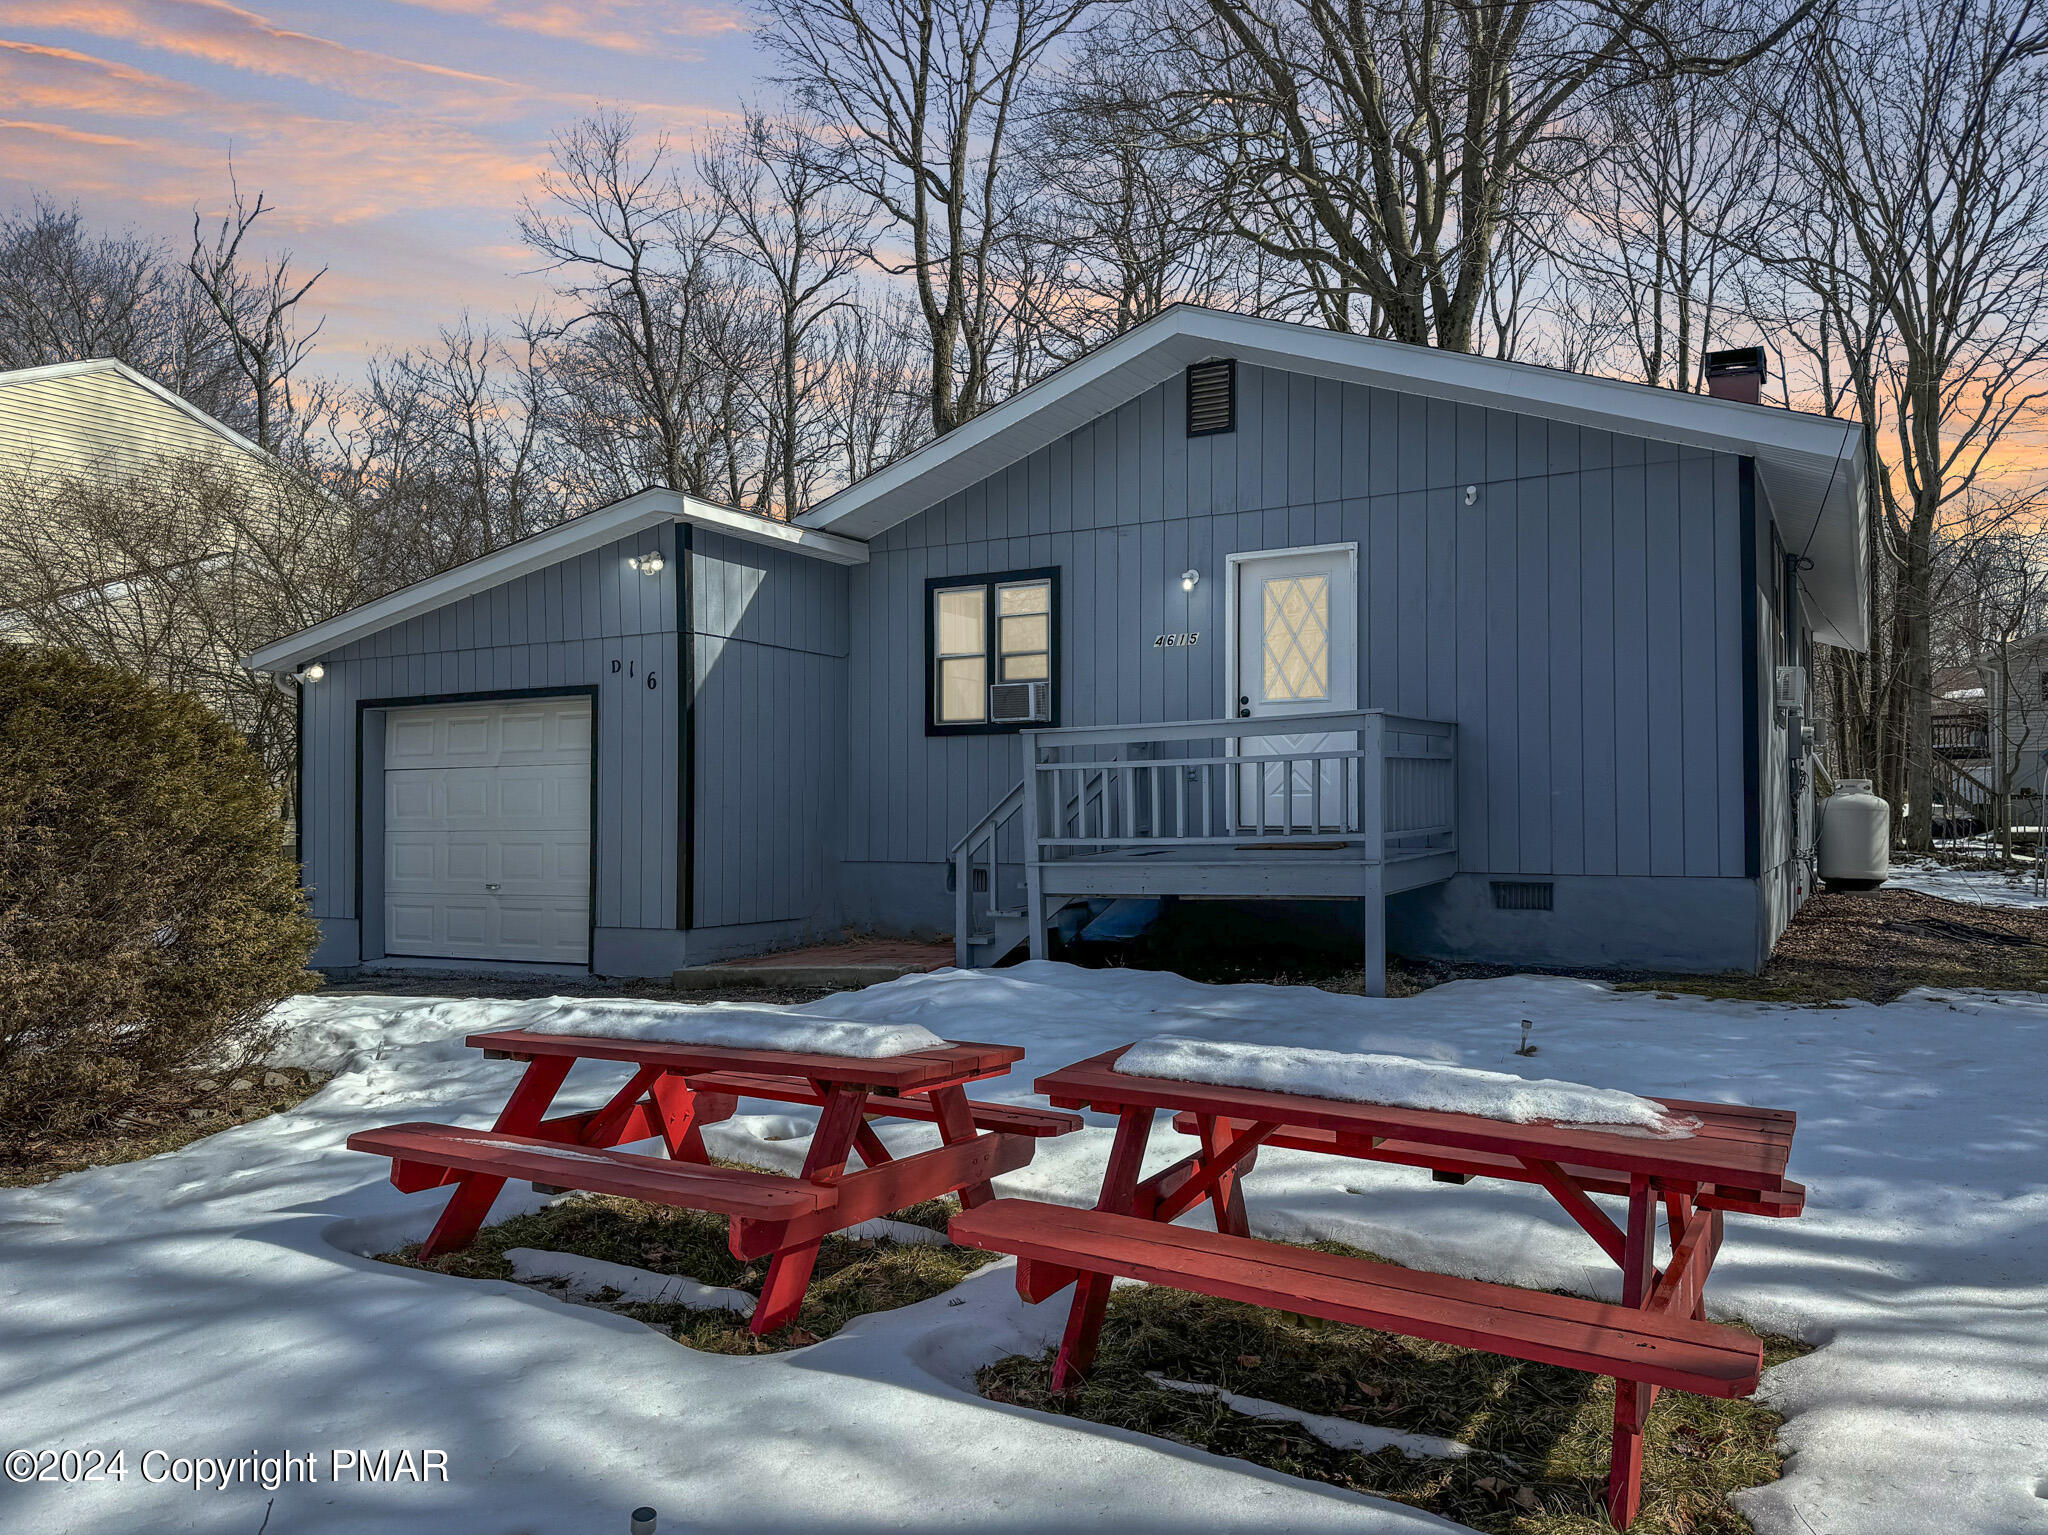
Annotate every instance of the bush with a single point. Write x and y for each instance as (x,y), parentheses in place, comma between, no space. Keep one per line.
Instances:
(150,913)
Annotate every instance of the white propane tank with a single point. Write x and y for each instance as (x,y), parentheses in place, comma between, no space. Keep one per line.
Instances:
(1855,837)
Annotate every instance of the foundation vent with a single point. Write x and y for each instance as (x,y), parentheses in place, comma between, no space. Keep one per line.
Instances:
(1524,895)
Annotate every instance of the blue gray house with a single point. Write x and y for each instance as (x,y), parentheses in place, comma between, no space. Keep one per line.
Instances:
(1230,609)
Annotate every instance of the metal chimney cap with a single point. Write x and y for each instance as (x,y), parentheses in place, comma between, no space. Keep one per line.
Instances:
(1740,359)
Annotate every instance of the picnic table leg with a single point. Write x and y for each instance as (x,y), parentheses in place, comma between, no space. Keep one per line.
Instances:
(463,1216)
(956,1124)
(1632,1399)
(789,1271)
(1227,1198)
(1091,1291)
(683,1113)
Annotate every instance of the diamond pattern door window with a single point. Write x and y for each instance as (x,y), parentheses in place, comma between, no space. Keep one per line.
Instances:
(1295,624)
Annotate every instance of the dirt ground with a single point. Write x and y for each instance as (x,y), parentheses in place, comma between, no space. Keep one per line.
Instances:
(1873,946)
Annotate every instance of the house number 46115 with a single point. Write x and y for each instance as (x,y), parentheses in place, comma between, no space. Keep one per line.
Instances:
(1177,641)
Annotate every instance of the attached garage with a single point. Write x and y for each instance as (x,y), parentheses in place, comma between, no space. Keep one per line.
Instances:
(487,831)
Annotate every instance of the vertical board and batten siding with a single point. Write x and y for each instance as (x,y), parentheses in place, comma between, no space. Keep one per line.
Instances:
(588,621)
(1580,620)
(770,645)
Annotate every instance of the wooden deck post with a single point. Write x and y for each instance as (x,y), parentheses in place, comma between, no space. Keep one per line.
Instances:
(1034,880)
(1372,826)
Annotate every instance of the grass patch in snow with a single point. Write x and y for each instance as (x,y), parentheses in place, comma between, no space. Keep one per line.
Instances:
(851,1279)
(1540,1434)
(182,1107)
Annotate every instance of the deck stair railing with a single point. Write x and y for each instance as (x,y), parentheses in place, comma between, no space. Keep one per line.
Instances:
(980,919)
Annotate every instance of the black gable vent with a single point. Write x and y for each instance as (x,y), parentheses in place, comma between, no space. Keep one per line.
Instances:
(1212,397)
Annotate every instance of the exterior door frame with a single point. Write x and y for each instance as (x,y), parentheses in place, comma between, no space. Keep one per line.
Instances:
(496,695)
(1233,623)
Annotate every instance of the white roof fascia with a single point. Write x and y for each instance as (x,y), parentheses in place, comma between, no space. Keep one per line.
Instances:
(577,535)
(1810,465)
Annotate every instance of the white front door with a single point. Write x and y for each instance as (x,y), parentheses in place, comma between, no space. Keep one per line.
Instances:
(487,831)
(1296,649)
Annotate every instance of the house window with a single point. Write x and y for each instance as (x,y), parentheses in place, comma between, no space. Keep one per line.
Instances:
(983,631)
(2044,687)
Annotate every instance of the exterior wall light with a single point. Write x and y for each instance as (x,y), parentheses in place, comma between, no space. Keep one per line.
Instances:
(648,564)
(1188,578)
(312,671)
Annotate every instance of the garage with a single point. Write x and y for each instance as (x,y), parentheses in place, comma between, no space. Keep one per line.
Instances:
(487,823)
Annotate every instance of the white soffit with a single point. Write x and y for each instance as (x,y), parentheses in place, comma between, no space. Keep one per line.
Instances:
(1810,466)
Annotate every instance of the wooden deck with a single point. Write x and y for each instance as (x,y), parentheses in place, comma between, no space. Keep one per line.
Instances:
(1357,805)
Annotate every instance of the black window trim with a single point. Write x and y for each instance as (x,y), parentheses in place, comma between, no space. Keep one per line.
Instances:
(1050,574)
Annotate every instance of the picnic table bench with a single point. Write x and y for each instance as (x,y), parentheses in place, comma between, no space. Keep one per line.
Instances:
(1655,1338)
(674,1091)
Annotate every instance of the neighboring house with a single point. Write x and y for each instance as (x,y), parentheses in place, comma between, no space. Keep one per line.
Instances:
(1991,735)
(1230,608)
(97,422)
(100,418)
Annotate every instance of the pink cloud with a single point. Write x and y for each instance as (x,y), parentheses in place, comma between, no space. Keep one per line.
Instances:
(625,26)
(62,79)
(224,34)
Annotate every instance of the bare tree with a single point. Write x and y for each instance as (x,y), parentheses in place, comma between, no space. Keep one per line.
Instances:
(1381,146)
(788,217)
(1915,216)
(658,360)
(256,305)
(1685,166)
(1116,216)
(924,96)
(68,293)
(176,572)
(445,453)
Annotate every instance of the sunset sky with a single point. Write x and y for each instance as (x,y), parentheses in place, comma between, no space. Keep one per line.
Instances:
(396,137)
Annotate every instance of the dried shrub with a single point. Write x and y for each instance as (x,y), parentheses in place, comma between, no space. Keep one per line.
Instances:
(150,913)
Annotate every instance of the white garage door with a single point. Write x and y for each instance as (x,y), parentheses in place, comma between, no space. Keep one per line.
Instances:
(487,831)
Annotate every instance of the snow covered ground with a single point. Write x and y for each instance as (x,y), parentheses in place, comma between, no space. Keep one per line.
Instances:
(1972,887)
(217,1301)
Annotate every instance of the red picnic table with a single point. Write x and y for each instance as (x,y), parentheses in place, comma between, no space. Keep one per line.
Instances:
(674,1090)
(1656,1338)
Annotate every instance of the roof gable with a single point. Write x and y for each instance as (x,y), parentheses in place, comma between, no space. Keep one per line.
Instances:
(100,415)
(1810,465)
(565,540)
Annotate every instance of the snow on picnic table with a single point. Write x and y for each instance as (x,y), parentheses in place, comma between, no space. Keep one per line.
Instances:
(216,1300)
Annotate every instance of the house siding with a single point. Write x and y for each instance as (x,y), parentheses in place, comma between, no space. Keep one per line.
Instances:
(587,622)
(1580,620)
(99,424)
(769,637)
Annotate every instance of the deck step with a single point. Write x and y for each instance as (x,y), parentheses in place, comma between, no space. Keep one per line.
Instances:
(1652,1347)
(693,1185)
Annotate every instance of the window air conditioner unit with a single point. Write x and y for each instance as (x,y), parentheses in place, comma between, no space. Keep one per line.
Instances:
(1020,703)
